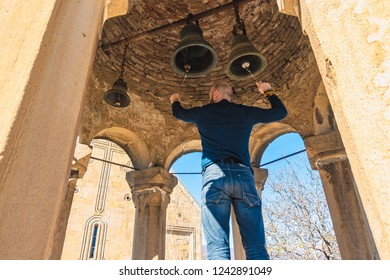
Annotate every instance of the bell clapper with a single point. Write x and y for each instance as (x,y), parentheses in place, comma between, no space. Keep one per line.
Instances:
(246,65)
(117,102)
(187,67)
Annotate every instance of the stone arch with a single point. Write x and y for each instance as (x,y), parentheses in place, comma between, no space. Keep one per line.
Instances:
(262,137)
(182,149)
(130,142)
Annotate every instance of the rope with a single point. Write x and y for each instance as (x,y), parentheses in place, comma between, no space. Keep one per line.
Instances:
(196,173)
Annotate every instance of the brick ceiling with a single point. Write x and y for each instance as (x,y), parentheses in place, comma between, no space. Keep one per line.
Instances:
(151,80)
(148,71)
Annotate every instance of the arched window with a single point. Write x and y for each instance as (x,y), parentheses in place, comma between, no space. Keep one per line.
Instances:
(94,239)
(93,242)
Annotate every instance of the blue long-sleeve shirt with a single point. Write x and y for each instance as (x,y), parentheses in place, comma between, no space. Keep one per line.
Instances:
(225,127)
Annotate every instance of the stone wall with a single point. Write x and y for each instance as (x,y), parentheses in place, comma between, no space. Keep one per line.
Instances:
(102,199)
(183,240)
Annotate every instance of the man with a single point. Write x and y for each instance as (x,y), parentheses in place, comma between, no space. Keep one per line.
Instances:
(224,129)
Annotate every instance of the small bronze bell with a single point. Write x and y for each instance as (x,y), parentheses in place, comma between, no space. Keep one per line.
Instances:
(194,56)
(117,96)
(244,59)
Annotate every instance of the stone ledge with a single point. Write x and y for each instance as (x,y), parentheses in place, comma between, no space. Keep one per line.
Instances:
(289,7)
(324,147)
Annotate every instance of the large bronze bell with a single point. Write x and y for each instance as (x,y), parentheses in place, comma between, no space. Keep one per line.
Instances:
(194,56)
(244,59)
(117,96)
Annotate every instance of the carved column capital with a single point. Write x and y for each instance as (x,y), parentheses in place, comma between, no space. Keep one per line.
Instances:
(260,175)
(151,178)
(153,197)
(324,148)
(151,186)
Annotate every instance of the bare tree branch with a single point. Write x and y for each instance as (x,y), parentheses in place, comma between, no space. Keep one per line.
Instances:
(297,219)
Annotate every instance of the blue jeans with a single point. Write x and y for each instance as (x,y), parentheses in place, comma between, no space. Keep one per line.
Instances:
(225,185)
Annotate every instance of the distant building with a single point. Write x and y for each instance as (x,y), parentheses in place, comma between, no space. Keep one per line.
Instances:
(101,221)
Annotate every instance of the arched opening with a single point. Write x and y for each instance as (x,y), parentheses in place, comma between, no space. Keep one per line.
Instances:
(102,195)
(280,151)
(187,234)
(296,215)
(187,168)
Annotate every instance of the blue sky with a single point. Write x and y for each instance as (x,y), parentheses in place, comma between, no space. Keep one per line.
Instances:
(282,146)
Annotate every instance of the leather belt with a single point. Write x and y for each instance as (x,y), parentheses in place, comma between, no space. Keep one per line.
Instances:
(228,160)
(224,160)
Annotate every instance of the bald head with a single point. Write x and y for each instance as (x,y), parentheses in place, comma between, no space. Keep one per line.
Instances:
(220,91)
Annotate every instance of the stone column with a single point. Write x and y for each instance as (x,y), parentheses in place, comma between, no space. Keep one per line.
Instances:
(349,219)
(151,189)
(358,93)
(260,175)
(49,50)
(348,216)
(79,168)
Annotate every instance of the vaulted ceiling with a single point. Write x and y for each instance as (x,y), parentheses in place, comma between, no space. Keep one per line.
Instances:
(278,37)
